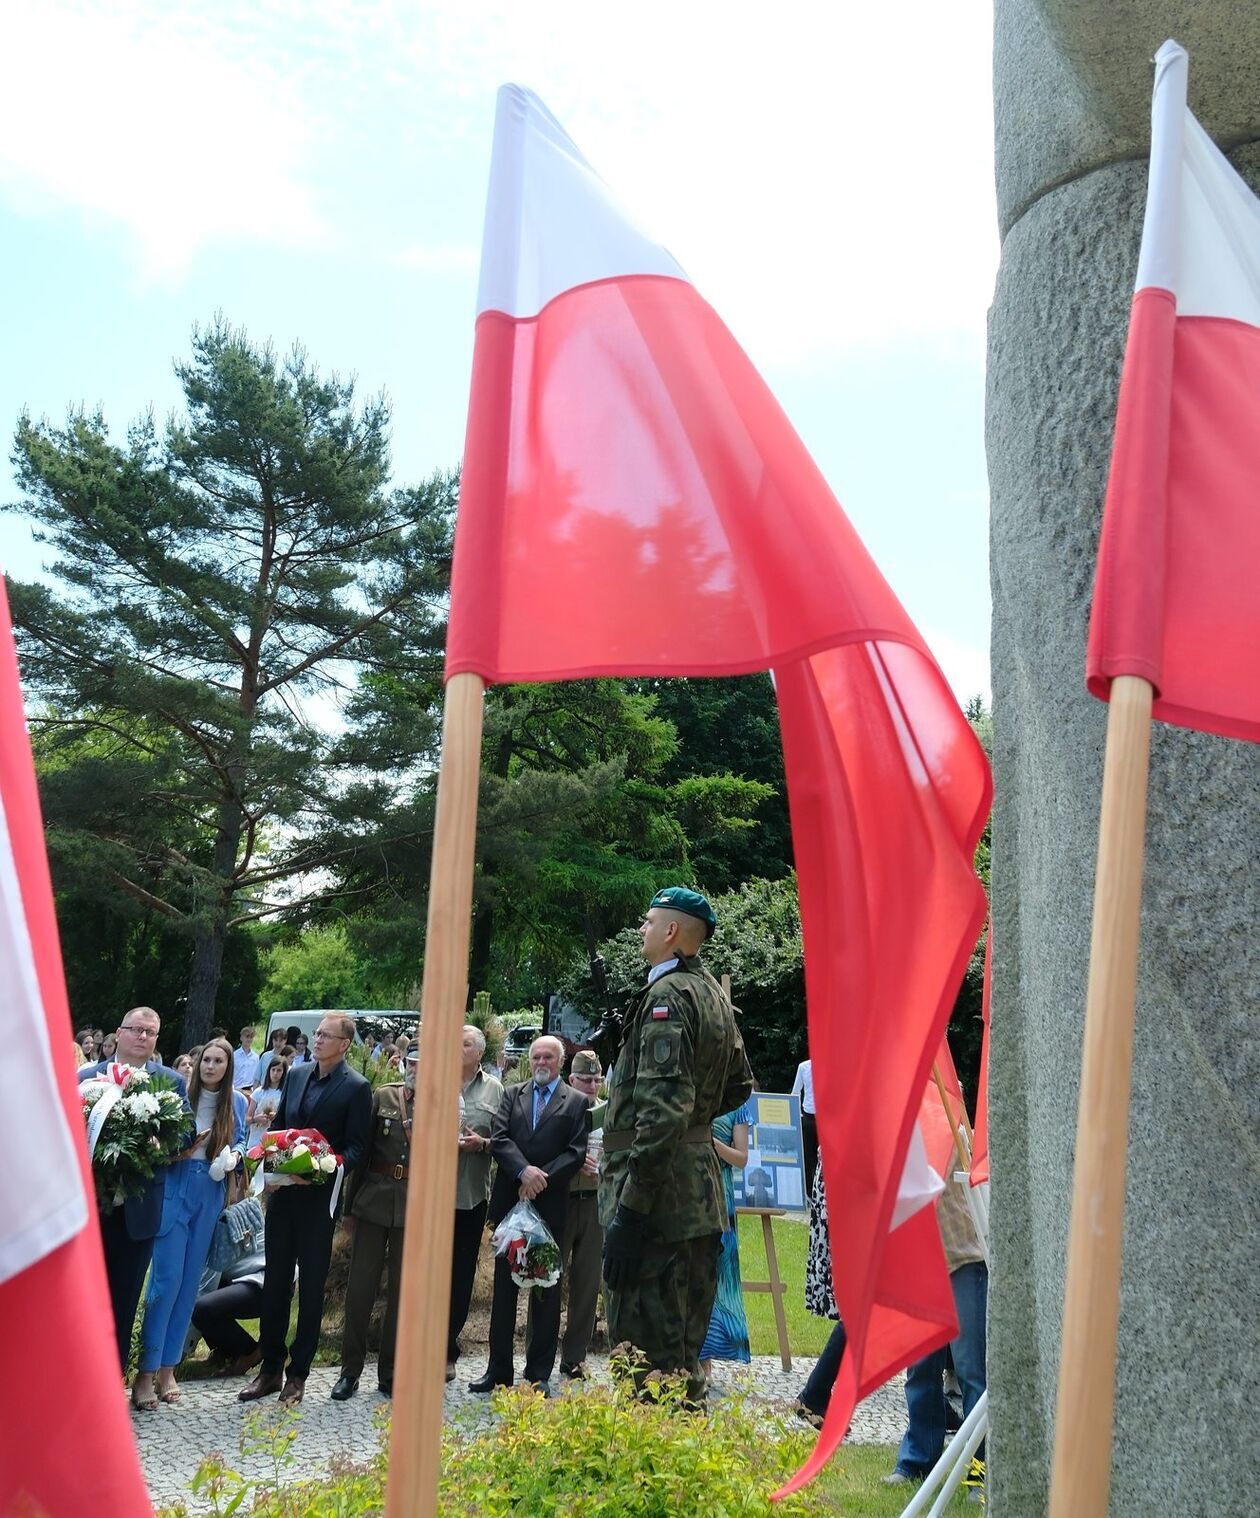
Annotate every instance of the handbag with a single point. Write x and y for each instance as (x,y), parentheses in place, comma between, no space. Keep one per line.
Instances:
(237,1233)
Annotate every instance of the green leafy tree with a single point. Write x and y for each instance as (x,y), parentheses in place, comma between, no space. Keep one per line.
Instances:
(222,585)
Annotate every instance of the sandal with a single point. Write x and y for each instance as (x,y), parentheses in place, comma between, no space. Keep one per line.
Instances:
(147,1404)
(171,1394)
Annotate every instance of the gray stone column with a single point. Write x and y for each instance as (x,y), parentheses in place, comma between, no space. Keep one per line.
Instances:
(1072,92)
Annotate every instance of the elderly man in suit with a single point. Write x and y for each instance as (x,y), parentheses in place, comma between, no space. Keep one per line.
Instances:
(328,1095)
(128,1231)
(539,1140)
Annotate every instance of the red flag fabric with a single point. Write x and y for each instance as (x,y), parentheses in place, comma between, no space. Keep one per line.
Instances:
(1175,594)
(980,1137)
(934,1123)
(68,1444)
(634,502)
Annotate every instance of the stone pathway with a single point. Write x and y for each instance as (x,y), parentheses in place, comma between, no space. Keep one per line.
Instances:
(174,1440)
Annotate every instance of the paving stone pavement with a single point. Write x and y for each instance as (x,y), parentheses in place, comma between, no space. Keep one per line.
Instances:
(175,1439)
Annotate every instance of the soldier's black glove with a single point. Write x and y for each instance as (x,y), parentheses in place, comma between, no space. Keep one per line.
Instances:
(625,1239)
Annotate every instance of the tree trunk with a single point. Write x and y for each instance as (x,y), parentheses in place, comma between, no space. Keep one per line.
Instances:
(203,980)
(209,942)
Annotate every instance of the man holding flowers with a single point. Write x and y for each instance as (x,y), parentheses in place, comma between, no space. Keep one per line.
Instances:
(128,1227)
(327,1095)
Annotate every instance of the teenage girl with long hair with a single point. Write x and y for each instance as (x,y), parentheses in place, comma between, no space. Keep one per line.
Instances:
(193,1199)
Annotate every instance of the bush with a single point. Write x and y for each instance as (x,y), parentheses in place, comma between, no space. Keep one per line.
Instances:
(600,1453)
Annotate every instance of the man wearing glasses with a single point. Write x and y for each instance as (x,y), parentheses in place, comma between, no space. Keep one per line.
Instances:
(328,1095)
(128,1231)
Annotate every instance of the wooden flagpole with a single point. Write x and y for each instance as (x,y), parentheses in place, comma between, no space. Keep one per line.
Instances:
(415,1448)
(964,1160)
(1081,1472)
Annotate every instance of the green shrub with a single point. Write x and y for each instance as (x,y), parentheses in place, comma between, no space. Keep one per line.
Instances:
(597,1453)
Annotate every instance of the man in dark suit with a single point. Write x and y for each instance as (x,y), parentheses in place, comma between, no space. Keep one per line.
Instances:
(539,1140)
(127,1232)
(328,1095)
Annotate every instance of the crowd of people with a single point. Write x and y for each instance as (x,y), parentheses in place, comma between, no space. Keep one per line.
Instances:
(628,1158)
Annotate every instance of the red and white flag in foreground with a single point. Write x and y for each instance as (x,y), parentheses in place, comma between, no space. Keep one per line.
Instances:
(634,502)
(67,1441)
(1177,593)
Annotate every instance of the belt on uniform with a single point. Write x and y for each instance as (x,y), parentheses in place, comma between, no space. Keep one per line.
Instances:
(395,1172)
(622,1138)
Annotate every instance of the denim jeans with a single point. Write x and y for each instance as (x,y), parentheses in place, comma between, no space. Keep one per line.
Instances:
(817,1393)
(925,1391)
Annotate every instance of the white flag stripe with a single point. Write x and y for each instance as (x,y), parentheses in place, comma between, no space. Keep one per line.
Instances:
(1201,236)
(551,222)
(48,1206)
(920,1185)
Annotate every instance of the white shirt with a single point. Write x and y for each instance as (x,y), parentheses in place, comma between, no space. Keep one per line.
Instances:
(803,1085)
(659,970)
(244,1067)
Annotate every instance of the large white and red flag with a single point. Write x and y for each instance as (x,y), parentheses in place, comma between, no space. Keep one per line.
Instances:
(1177,595)
(68,1446)
(635,502)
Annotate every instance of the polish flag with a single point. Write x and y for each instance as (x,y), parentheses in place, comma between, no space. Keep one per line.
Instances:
(1177,594)
(635,502)
(68,1444)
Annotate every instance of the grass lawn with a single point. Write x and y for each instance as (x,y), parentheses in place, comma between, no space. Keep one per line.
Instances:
(806,1333)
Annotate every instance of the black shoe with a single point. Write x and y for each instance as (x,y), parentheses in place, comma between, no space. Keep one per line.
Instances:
(574,1372)
(386,1386)
(345,1388)
(486,1385)
(543,1388)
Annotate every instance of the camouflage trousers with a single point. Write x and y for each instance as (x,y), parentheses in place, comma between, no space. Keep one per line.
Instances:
(665,1312)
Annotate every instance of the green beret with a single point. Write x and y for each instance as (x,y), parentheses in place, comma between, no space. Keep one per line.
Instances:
(680,899)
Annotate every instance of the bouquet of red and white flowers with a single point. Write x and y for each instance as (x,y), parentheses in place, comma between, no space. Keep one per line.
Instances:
(532,1253)
(291,1154)
(136,1121)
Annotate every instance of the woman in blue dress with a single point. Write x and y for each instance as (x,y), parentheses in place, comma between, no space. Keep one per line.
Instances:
(727,1335)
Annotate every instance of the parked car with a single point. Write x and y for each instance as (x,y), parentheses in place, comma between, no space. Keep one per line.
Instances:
(519,1039)
(369,1025)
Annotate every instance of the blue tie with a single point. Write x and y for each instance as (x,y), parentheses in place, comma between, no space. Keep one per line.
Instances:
(541,1093)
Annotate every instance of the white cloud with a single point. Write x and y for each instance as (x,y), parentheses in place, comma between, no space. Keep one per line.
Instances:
(159,118)
(824,172)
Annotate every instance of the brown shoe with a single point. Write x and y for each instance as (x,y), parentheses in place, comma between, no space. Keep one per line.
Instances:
(243,1364)
(265,1384)
(293,1389)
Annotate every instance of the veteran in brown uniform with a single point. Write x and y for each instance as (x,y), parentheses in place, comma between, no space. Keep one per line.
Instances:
(682,1063)
(375,1211)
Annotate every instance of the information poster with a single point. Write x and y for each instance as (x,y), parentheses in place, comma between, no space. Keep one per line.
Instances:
(775,1175)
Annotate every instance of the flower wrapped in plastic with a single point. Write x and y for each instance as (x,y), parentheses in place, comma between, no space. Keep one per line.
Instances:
(293,1154)
(136,1121)
(532,1253)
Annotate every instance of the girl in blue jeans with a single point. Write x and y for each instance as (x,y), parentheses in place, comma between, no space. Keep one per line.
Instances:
(192,1201)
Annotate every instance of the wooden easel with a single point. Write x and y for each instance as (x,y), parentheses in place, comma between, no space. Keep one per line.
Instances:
(776,1285)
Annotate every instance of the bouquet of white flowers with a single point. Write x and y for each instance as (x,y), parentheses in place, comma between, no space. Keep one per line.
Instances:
(135,1122)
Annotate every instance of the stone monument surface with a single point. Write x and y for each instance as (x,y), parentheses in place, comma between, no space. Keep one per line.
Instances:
(1072,84)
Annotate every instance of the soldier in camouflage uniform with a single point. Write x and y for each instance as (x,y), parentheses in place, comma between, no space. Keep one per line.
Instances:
(682,1063)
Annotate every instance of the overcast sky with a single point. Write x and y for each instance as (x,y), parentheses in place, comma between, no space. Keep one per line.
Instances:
(317,171)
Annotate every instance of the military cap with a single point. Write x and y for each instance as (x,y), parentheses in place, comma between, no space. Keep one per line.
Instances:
(586,1062)
(413,1051)
(680,899)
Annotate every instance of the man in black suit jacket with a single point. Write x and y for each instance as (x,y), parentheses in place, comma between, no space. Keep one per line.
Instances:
(539,1140)
(127,1232)
(328,1095)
